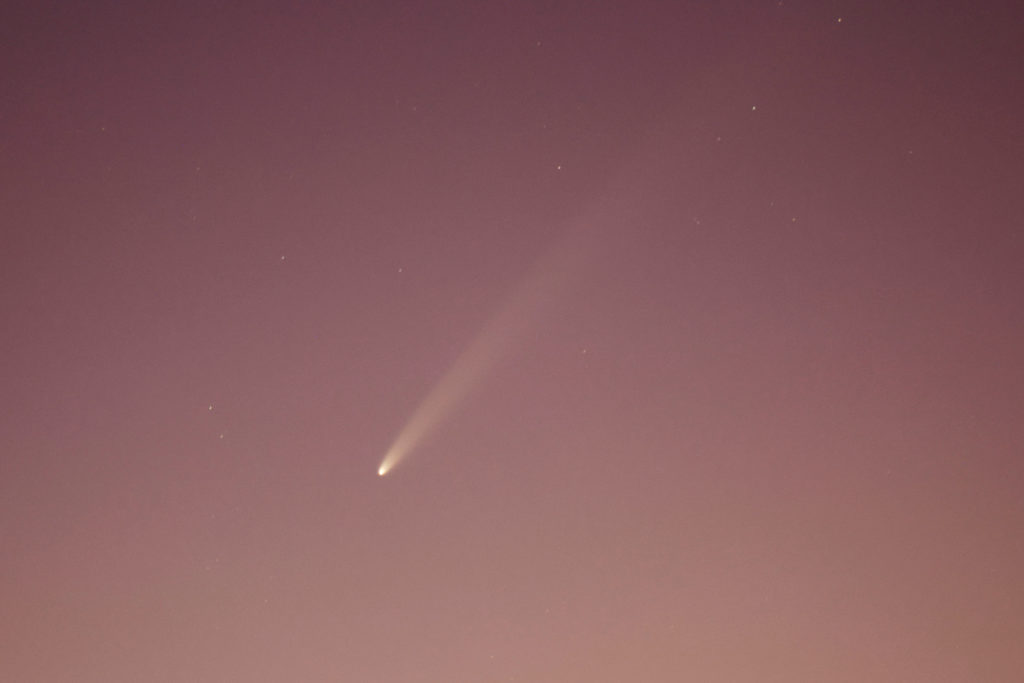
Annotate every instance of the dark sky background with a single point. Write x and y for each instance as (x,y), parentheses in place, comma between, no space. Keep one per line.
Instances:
(758,419)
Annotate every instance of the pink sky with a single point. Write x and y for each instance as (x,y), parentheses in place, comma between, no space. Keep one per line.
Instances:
(757,417)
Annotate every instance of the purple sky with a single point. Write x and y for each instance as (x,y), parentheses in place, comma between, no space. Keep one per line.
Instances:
(747,276)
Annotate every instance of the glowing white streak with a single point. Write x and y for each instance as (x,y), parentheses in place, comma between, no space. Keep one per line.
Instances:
(548,279)
(619,205)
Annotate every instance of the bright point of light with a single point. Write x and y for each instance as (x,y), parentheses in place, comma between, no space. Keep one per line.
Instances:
(382,470)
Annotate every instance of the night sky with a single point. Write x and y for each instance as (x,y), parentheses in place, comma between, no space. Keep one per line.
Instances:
(700,325)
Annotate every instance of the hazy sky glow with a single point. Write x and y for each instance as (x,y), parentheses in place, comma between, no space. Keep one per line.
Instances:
(695,329)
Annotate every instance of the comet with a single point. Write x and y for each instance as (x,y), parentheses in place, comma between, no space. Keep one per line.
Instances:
(547,282)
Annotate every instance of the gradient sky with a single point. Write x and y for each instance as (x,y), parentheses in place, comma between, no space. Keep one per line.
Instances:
(749,278)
